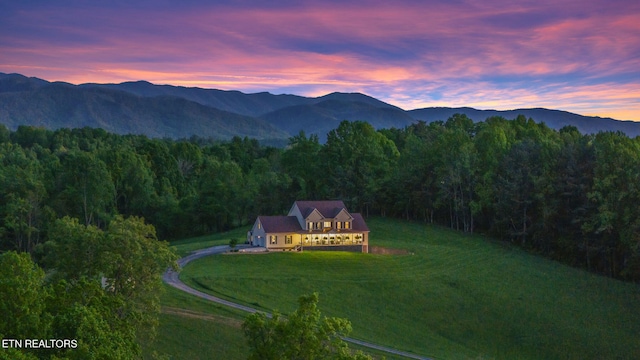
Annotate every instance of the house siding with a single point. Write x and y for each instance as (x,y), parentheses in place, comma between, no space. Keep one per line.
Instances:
(257,234)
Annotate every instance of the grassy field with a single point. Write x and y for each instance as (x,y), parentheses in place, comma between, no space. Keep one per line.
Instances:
(192,328)
(202,330)
(453,297)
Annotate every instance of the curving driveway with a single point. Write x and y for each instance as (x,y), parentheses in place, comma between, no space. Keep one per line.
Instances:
(172,278)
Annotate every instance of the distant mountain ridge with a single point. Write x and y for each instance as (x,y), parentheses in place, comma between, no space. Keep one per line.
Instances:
(178,112)
(30,101)
(555,119)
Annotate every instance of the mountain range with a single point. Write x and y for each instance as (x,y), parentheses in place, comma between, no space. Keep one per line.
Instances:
(179,112)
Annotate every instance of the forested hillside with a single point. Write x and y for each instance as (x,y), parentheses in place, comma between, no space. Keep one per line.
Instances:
(87,205)
(179,112)
(568,196)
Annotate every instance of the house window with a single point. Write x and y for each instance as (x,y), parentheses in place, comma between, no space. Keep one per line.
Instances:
(288,239)
(338,225)
(319,225)
(273,239)
(259,226)
(347,225)
(327,224)
(309,225)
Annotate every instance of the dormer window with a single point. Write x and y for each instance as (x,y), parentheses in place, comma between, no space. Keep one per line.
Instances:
(327,224)
(347,225)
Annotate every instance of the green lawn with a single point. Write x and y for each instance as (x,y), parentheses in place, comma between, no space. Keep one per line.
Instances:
(454,297)
(186,246)
(216,337)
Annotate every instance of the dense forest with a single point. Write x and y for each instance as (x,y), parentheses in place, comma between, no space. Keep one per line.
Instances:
(565,195)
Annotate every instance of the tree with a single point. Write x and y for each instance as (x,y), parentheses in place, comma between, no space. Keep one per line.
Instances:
(130,260)
(515,182)
(88,192)
(4,133)
(455,169)
(357,160)
(616,194)
(132,180)
(83,310)
(74,249)
(22,298)
(220,193)
(302,162)
(22,193)
(305,335)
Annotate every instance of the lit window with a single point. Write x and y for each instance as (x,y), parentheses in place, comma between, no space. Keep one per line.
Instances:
(347,225)
(288,239)
(273,239)
(338,225)
(327,224)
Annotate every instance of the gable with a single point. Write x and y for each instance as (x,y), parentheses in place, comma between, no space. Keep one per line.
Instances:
(295,211)
(343,215)
(315,215)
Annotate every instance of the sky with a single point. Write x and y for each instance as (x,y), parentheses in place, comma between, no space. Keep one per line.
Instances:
(580,56)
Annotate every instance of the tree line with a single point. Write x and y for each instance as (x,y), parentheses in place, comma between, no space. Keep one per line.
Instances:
(569,196)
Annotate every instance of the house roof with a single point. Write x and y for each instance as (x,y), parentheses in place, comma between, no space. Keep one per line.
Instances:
(358,223)
(288,224)
(328,208)
(277,224)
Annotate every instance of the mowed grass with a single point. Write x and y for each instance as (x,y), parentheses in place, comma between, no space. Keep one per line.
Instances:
(186,246)
(204,330)
(454,297)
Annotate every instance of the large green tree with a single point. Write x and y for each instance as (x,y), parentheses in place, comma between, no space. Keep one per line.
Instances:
(356,161)
(22,298)
(302,162)
(305,335)
(87,191)
(126,259)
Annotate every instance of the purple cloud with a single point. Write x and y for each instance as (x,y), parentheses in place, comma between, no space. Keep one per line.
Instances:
(578,56)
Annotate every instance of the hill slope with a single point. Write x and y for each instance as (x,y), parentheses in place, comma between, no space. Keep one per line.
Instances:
(322,117)
(555,119)
(54,105)
(453,297)
(231,101)
(176,111)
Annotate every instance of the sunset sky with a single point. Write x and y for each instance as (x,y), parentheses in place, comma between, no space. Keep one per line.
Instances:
(579,56)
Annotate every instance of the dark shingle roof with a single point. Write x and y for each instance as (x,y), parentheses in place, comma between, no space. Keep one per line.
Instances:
(328,208)
(358,223)
(289,224)
(276,224)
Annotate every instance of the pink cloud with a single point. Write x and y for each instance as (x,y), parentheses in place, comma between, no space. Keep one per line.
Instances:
(482,53)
